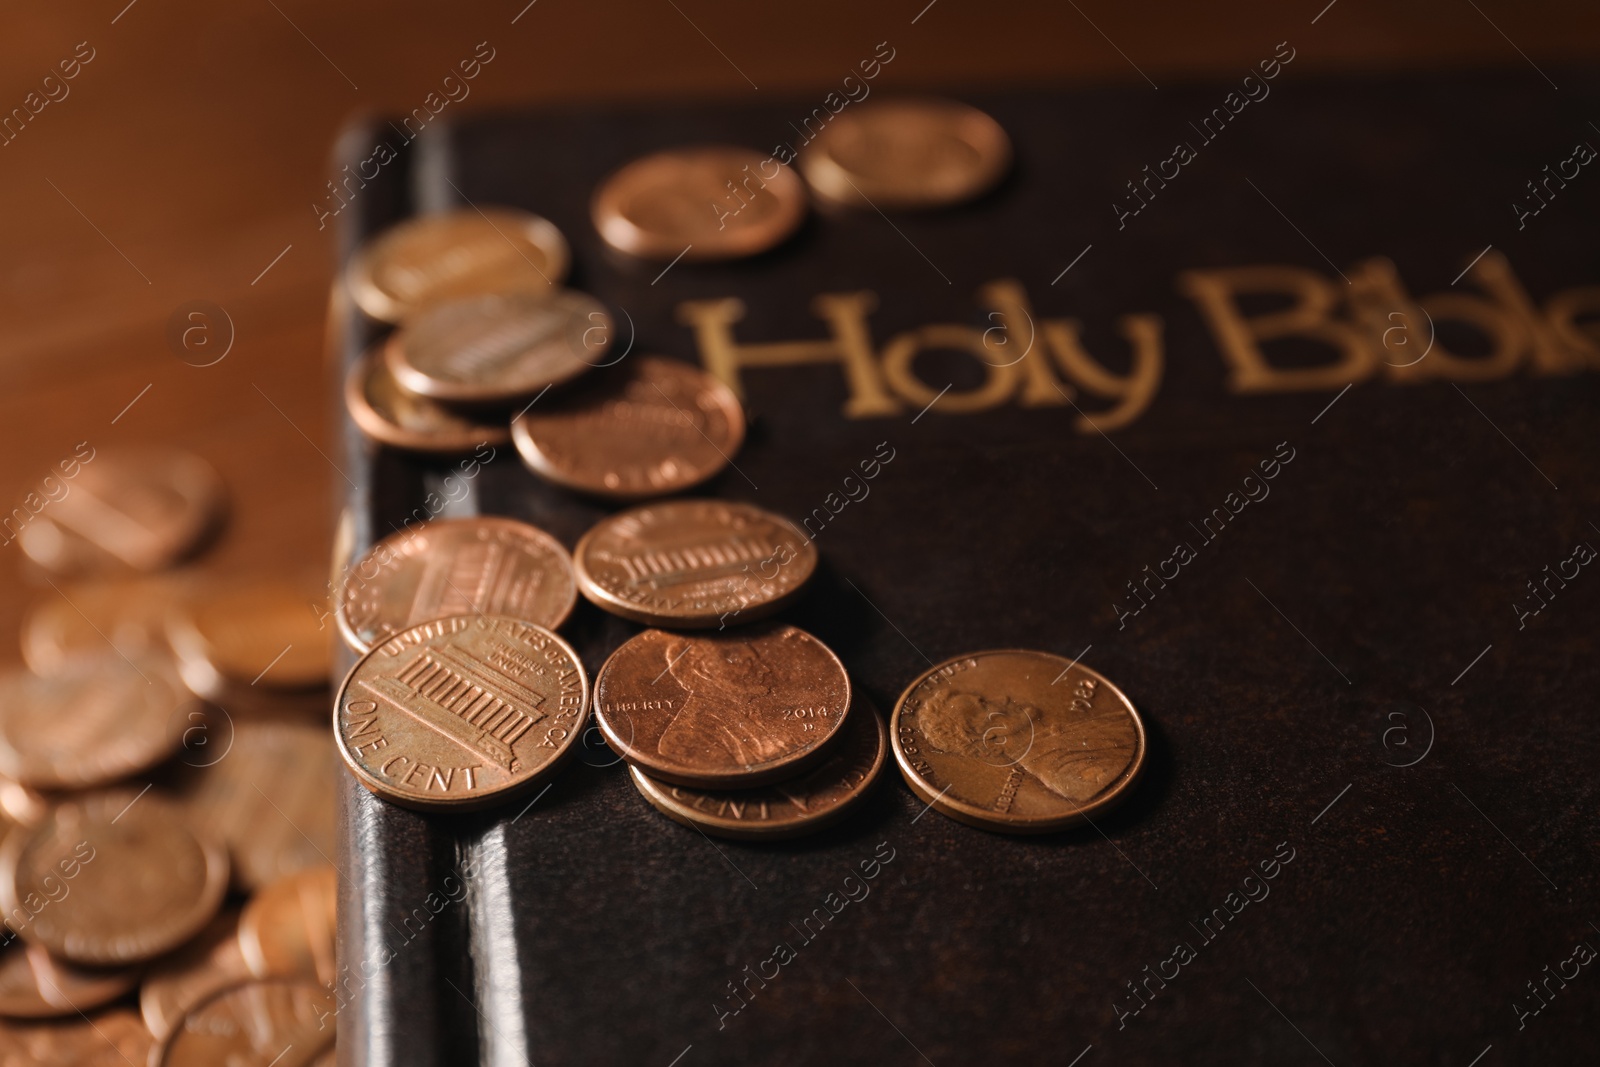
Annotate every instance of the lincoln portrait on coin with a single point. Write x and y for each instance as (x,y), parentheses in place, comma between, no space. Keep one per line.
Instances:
(1074,757)
(730,710)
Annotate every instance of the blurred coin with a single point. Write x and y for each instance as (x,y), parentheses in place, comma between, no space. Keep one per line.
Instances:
(694,564)
(35,986)
(907,154)
(288,928)
(645,428)
(729,711)
(100,721)
(88,619)
(391,416)
(461,713)
(143,508)
(270,1023)
(1017,741)
(788,808)
(701,203)
(112,878)
(114,1038)
(208,964)
(482,565)
(258,632)
(459,253)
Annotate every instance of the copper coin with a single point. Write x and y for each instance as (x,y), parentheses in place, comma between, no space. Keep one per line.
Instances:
(265,790)
(142,508)
(391,416)
(112,878)
(100,721)
(268,1023)
(460,253)
(789,808)
(288,928)
(648,427)
(694,564)
(35,986)
(259,632)
(498,348)
(702,203)
(114,1038)
(208,964)
(1017,741)
(461,713)
(907,154)
(86,620)
(479,566)
(729,711)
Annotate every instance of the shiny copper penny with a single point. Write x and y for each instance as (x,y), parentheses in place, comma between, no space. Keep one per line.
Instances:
(1017,741)
(727,711)
(100,721)
(480,566)
(288,928)
(702,203)
(86,620)
(261,632)
(461,713)
(265,790)
(694,564)
(267,1023)
(647,427)
(205,966)
(459,253)
(142,508)
(789,808)
(35,986)
(498,348)
(907,154)
(391,416)
(111,879)
(114,1038)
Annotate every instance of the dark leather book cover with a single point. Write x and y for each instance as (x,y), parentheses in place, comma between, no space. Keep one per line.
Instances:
(1273,400)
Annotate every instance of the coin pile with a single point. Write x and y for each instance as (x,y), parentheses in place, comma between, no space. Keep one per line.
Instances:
(166,789)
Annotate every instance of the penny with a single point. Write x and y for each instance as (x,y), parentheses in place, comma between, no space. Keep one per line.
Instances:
(481,566)
(265,790)
(259,632)
(461,713)
(265,1023)
(728,711)
(142,508)
(205,966)
(111,879)
(694,564)
(498,348)
(702,203)
(645,428)
(907,154)
(114,1038)
(460,253)
(99,721)
(287,929)
(788,808)
(86,620)
(391,416)
(1017,741)
(35,986)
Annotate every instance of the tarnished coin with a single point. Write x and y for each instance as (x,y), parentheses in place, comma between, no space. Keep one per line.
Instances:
(460,253)
(788,808)
(112,878)
(143,508)
(288,929)
(265,790)
(114,1038)
(97,722)
(645,428)
(907,154)
(205,966)
(1017,741)
(479,566)
(258,632)
(702,203)
(265,1023)
(85,621)
(694,564)
(730,711)
(35,986)
(461,713)
(391,416)
(498,348)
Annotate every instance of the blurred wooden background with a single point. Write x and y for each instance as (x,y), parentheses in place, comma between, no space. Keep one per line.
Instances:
(184,162)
